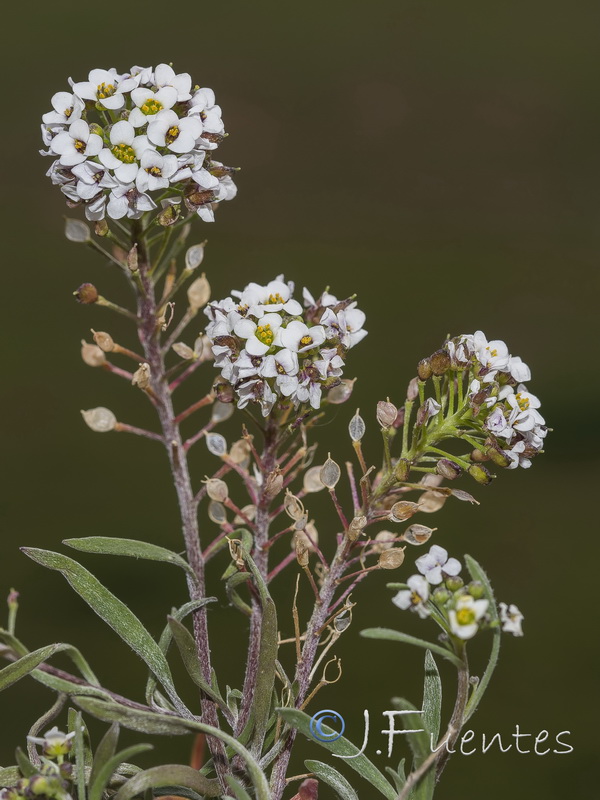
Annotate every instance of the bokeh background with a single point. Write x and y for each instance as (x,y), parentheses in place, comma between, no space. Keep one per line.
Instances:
(438,158)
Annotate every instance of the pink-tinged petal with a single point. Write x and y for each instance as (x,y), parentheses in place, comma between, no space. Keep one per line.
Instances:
(126,173)
(167,96)
(85,90)
(163,74)
(94,145)
(113,102)
(122,133)
(107,158)
(255,347)
(136,118)
(79,130)
(452,567)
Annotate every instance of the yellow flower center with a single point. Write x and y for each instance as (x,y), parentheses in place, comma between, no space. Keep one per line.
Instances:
(415,599)
(124,153)
(156,171)
(306,340)
(105,90)
(275,298)
(243,309)
(522,401)
(279,368)
(265,335)
(80,146)
(151,107)
(172,134)
(68,112)
(493,353)
(465,616)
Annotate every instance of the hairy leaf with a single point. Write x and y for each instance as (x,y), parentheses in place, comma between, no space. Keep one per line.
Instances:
(133,548)
(9,776)
(391,635)
(333,778)
(104,774)
(26,664)
(238,789)
(432,698)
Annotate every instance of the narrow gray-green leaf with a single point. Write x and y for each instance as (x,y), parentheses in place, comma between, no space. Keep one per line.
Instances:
(168,775)
(26,664)
(134,548)
(478,574)
(25,765)
(76,726)
(330,776)
(112,610)
(72,652)
(341,747)
(105,751)
(9,776)
(104,774)
(391,635)
(419,738)
(238,789)
(432,698)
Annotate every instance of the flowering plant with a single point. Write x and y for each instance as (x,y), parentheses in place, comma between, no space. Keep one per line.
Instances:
(135,151)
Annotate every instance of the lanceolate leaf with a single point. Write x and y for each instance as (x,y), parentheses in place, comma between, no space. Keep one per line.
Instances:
(341,747)
(133,548)
(168,775)
(26,664)
(391,635)
(432,698)
(103,776)
(105,751)
(72,652)
(113,611)
(333,778)
(238,789)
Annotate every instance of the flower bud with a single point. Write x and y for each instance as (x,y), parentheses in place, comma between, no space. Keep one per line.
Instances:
(92,355)
(301,548)
(330,473)
(217,489)
(99,419)
(386,413)
(141,377)
(383,541)
(86,294)
(496,455)
(13,600)
(439,362)
(293,507)
(168,216)
(274,483)
(194,256)
(356,527)
(342,392)
(430,502)
(216,444)
(447,469)
(479,456)
(391,559)
(403,510)
(77,231)
(424,370)
(104,341)
(184,351)
(132,259)
(402,470)
(224,390)
(480,474)
(441,595)
(476,589)
(417,534)
(312,480)
(357,427)
(454,583)
(198,293)
(101,228)
(412,391)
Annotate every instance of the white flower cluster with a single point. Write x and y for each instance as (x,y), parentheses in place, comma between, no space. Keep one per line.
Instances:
(463,608)
(498,393)
(117,140)
(269,347)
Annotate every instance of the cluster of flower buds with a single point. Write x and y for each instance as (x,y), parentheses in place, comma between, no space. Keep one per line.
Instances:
(270,348)
(53,778)
(462,607)
(501,408)
(121,140)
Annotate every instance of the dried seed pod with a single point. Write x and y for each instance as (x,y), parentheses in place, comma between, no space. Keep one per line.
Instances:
(357,427)
(221,411)
(330,473)
(439,362)
(274,483)
(200,344)
(132,259)
(356,527)
(386,413)
(216,444)
(217,489)
(391,559)
(248,511)
(198,293)
(447,469)
(240,452)
(424,370)
(141,377)
(301,549)
(92,355)
(293,507)
(184,351)
(302,541)
(403,510)
(104,341)
(430,502)
(312,480)
(77,231)
(86,294)
(99,419)
(417,534)
(383,541)
(217,513)
(194,256)
(342,392)
(480,474)
(402,469)
(101,228)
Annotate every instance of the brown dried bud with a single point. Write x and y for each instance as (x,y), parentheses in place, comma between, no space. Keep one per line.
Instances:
(383,541)
(342,392)
(293,507)
(430,502)
(86,294)
(496,455)
(417,534)
(240,451)
(402,469)
(217,489)
(132,259)
(308,790)
(168,216)
(424,370)
(391,559)
(274,483)
(403,510)
(330,473)
(386,413)
(101,228)
(447,469)
(184,351)
(100,420)
(198,293)
(356,527)
(480,474)
(141,377)
(412,391)
(439,362)
(302,552)
(300,541)
(104,341)
(92,355)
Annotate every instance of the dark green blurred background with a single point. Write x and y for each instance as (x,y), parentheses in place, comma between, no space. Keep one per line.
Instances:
(438,158)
